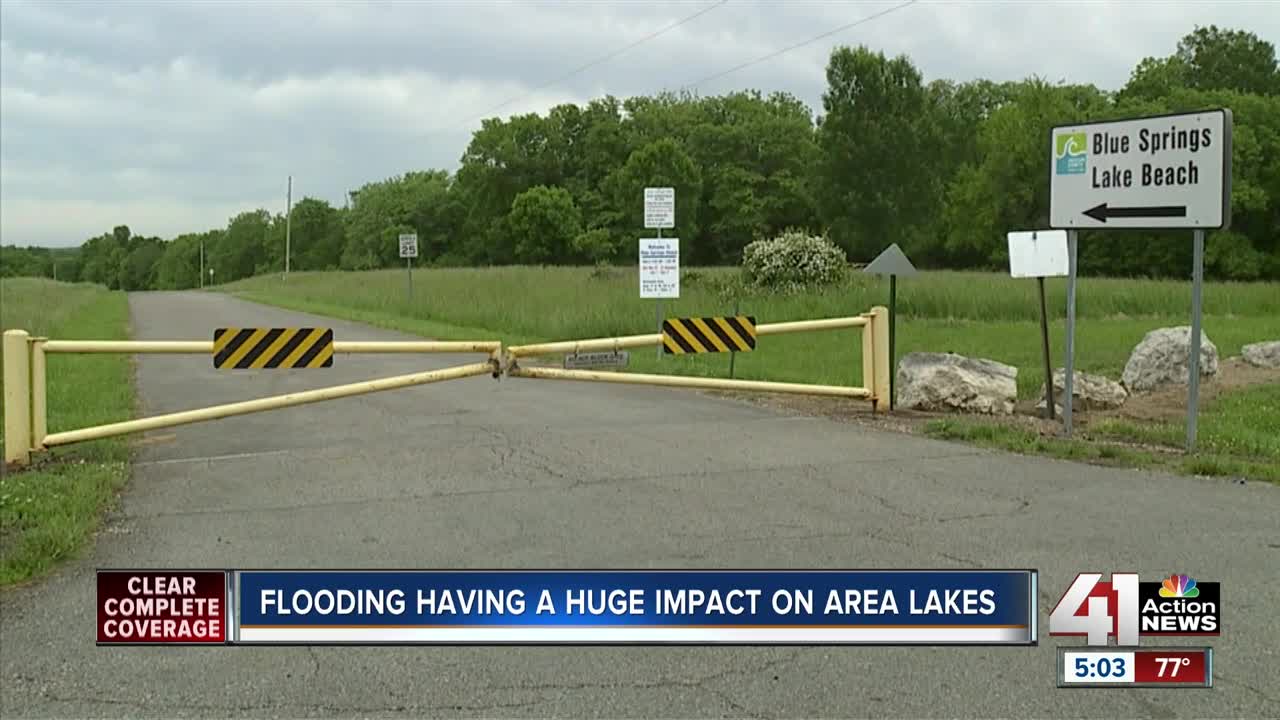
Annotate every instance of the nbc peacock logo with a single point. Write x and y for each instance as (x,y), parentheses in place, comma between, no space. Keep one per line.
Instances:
(1179,586)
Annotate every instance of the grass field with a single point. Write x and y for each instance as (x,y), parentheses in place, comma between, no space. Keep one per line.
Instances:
(977,314)
(1236,438)
(47,512)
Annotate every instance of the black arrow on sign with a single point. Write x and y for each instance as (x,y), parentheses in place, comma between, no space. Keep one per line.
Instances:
(1102,212)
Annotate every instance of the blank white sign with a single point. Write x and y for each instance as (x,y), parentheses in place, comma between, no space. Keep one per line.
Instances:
(1038,253)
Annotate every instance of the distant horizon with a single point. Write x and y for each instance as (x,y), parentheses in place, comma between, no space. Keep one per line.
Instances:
(119,113)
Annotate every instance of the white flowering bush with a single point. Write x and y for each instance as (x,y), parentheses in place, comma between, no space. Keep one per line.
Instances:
(794,260)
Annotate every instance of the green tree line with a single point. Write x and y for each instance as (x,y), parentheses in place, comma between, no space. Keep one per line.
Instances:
(944,169)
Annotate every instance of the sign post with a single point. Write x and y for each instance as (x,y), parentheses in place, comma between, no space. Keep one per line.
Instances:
(409,251)
(1165,172)
(659,214)
(892,262)
(1040,254)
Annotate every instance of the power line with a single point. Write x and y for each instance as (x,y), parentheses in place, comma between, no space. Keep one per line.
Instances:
(801,44)
(600,60)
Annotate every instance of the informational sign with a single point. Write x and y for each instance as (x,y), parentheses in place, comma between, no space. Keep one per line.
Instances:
(1168,171)
(1038,253)
(659,268)
(409,245)
(588,360)
(659,208)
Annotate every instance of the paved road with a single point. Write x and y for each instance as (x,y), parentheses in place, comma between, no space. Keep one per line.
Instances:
(533,474)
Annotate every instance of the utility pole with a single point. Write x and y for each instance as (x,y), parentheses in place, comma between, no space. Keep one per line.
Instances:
(202,262)
(288,225)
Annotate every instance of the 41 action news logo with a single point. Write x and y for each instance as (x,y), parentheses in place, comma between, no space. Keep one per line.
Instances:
(1125,608)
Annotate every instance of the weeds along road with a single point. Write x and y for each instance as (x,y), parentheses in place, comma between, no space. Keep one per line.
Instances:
(536,474)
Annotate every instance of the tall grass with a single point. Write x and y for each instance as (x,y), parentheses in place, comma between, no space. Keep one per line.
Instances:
(47,512)
(562,301)
(980,314)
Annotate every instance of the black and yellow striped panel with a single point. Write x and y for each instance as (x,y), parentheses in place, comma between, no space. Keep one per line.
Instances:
(254,348)
(736,333)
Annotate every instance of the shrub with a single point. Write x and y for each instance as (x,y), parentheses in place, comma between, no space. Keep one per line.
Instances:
(792,261)
(594,246)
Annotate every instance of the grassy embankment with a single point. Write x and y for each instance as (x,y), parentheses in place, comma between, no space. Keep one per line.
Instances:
(977,314)
(49,511)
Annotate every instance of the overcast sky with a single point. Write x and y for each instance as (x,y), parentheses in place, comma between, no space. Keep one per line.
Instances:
(171,116)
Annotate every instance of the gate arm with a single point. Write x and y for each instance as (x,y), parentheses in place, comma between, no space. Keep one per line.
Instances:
(270,403)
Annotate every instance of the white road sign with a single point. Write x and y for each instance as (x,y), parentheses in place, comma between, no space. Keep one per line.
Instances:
(659,208)
(1038,253)
(1169,171)
(409,245)
(659,268)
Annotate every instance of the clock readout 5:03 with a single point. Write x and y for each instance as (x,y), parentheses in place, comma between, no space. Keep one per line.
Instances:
(1098,667)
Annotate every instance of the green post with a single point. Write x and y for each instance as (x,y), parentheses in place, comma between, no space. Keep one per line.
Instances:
(893,328)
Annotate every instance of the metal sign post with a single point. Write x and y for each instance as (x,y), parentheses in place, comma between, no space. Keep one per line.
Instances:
(409,251)
(658,311)
(1040,254)
(288,224)
(1163,172)
(1193,381)
(1070,363)
(659,213)
(892,262)
(1044,342)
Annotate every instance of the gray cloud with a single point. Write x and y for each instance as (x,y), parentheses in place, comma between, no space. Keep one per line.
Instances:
(171,116)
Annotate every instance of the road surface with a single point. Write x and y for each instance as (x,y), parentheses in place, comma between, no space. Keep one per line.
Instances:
(525,473)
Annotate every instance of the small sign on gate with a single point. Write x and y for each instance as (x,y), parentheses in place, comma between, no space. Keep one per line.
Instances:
(589,360)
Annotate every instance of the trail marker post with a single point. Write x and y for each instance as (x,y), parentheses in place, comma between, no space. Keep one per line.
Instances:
(892,262)
(1163,172)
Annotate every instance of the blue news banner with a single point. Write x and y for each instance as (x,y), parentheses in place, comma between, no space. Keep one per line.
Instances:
(694,607)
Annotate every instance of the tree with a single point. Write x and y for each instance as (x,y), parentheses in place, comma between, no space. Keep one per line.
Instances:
(318,235)
(664,163)
(876,184)
(543,225)
(1007,187)
(179,266)
(241,249)
(138,271)
(398,202)
(1220,59)
(1155,78)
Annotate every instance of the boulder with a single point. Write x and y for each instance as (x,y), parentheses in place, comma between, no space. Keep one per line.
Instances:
(946,381)
(1161,359)
(1263,354)
(1090,392)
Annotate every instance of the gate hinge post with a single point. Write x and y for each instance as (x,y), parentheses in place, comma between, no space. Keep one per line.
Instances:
(17,397)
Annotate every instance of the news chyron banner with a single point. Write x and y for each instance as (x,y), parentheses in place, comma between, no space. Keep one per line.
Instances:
(567,607)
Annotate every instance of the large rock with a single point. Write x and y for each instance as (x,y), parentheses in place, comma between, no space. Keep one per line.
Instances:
(946,381)
(1263,354)
(1161,359)
(1089,392)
